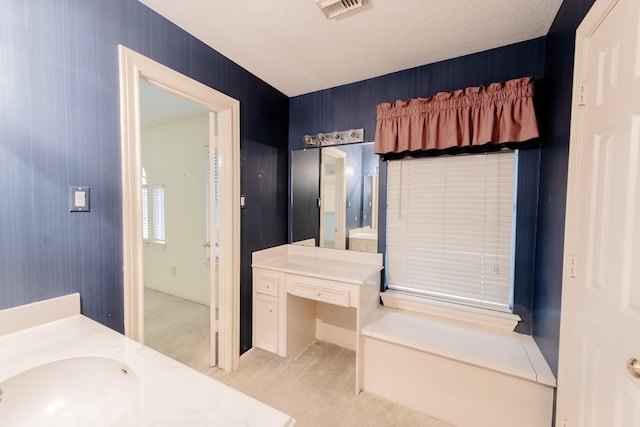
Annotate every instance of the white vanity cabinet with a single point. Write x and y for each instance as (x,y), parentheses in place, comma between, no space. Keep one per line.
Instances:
(363,240)
(267,321)
(302,293)
(361,244)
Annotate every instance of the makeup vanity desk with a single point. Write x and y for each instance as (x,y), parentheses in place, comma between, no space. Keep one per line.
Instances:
(303,293)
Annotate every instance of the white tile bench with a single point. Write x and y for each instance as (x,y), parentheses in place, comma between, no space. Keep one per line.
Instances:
(460,374)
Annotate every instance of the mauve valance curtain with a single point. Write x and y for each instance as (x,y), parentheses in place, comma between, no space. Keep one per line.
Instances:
(498,114)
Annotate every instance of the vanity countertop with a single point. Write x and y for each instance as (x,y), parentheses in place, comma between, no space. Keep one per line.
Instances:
(363,233)
(169,393)
(324,263)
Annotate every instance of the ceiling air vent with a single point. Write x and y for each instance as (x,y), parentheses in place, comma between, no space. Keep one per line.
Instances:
(333,8)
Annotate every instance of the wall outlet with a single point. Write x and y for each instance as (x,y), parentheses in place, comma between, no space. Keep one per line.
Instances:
(172,270)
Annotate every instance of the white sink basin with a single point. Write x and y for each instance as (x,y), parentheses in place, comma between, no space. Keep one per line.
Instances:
(87,391)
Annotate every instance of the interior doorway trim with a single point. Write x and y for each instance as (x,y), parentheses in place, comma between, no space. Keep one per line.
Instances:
(133,67)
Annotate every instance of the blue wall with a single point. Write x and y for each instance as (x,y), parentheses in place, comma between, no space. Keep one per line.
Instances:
(60,126)
(354,106)
(556,123)
(550,61)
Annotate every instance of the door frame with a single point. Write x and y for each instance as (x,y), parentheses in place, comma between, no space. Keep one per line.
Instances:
(587,27)
(133,67)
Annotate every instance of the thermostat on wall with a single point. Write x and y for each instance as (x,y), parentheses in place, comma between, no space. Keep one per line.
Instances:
(79,199)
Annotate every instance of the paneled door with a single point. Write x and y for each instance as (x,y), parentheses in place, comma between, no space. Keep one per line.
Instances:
(599,375)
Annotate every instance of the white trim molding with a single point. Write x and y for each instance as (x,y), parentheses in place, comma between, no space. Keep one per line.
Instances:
(133,68)
(476,316)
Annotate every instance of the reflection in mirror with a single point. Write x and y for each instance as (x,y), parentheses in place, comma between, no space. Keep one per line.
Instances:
(334,197)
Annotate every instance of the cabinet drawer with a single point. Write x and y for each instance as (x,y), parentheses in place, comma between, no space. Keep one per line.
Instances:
(319,293)
(266,284)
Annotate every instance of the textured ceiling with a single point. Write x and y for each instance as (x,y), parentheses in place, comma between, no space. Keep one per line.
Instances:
(292,46)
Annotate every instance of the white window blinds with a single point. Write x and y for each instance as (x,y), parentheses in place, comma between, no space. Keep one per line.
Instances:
(158,213)
(216,201)
(450,227)
(145,207)
(145,213)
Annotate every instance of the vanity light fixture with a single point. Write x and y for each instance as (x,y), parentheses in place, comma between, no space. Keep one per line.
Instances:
(333,8)
(334,138)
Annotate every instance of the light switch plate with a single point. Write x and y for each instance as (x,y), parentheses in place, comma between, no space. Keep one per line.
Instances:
(79,199)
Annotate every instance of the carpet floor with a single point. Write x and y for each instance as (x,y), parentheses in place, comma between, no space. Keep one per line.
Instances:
(316,388)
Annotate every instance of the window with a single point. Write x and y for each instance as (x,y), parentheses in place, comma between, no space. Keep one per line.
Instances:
(216,201)
(152,211)
(450,228)
(157,195)
(145,207)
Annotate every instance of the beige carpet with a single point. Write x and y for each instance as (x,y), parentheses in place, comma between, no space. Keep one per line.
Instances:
(177,327)
(316,388)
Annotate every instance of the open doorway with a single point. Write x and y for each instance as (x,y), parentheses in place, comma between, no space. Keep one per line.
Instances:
(179,273)
(134,69)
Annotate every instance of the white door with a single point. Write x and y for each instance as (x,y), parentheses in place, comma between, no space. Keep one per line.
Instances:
(601,285)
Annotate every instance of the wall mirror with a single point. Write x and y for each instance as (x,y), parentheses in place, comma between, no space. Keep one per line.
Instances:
(334,197)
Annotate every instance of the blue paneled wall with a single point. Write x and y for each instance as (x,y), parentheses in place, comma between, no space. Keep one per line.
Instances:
(354,106)
(550,61)
(556,118)
(60,126)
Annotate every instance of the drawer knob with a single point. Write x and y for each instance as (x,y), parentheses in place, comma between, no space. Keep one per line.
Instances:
(270,309)
(318,293)
(266,286)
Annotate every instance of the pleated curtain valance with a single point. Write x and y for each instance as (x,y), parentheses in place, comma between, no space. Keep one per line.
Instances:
(499,114)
